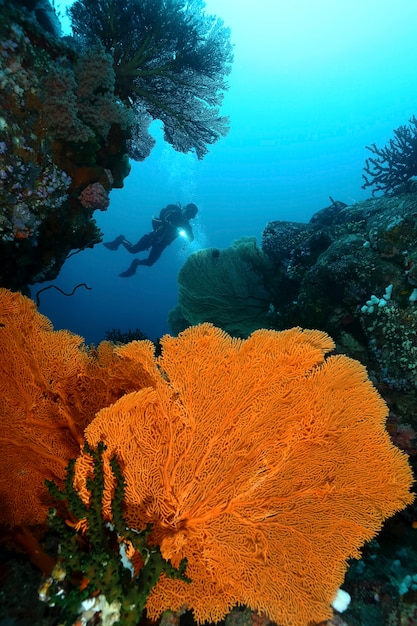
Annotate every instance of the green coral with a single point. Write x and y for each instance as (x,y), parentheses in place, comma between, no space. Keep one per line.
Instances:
(234,288)
(116,335)
(93,559)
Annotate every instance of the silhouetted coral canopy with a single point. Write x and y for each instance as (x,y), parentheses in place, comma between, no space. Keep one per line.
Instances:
(170,60)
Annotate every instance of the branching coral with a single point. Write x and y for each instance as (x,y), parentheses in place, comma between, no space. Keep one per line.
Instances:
(262,462)
(170,59)
(394,165)
(102,553)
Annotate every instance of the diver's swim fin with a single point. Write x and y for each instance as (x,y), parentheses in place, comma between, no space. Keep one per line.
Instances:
(131,269)
(113,245)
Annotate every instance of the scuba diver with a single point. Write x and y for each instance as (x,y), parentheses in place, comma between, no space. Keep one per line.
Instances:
(173,222)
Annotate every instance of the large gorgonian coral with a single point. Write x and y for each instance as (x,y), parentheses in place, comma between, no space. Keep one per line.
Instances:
(170,59)
(262,462)
(233,288)
(51,386)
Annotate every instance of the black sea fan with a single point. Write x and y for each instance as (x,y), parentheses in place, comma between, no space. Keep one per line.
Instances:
(393,167)
(170,60)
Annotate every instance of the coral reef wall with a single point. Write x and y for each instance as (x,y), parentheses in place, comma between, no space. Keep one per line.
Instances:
(63,140)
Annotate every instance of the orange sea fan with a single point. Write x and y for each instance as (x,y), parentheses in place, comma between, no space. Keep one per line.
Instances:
(260,461)
(38,431)
(51,386)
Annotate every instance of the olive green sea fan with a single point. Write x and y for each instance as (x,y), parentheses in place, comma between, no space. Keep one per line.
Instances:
(233,288)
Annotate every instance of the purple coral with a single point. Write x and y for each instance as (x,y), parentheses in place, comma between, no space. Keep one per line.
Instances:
(94,197)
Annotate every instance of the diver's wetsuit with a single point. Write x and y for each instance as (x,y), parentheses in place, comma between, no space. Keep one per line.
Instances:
(172,222)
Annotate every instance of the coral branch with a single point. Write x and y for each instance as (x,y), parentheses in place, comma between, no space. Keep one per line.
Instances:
(393,166)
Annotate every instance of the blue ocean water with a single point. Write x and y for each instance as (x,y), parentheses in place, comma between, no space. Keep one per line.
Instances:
(312,84)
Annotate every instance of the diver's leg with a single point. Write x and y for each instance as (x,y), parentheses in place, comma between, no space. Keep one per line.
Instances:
(131,270)
(154,255)
(144,243)
(113,245)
